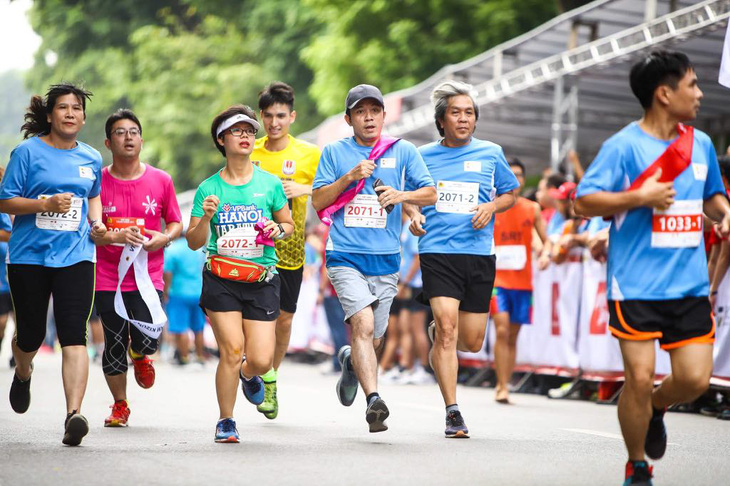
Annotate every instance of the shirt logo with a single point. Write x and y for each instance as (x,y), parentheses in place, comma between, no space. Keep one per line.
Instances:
(150,206)
(257,194)
(109,208)
(472,166)
(288,167)
(700,171)
(87,173)
(387,163)
(257,163)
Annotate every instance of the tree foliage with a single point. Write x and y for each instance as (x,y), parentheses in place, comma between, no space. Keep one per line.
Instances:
(177,63)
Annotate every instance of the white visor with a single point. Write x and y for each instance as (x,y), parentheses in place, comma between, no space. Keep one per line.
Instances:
(229,122)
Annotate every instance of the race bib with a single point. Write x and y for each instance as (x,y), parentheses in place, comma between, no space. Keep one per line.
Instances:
(364,211)
(456,197)
(511,257)
(70,221)
(241,243)
(116,225)
(679,226)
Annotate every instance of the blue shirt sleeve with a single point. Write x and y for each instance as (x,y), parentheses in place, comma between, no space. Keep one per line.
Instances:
(326,173)
(417,175)
(713,183)
(16,174)
(504,180)
(5,224)
(96,187)
(606,173)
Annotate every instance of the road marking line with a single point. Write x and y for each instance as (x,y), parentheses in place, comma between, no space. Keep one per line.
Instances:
(608,435)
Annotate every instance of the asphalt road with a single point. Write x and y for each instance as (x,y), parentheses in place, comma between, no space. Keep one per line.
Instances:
(315,440)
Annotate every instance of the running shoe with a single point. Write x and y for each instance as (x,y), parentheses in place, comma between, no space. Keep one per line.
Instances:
(270,406)
(144,371)
(347,384)
(76,428)
(253,389)
(656,437)
(119,416)
(225,431)
(432,336)
(638,473)
(376,414)
(455,426)
(20,393)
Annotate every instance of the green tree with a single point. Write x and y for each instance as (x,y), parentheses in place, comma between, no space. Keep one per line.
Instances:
(397,44)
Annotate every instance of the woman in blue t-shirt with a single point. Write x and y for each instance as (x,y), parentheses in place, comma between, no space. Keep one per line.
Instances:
(52,186)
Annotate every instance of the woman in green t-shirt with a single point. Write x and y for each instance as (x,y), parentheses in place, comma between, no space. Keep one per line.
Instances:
(227,207)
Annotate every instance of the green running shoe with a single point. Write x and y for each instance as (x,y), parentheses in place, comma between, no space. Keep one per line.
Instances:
(270,406)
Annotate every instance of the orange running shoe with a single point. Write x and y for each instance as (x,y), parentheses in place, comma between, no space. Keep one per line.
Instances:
(144,371)
(119,416)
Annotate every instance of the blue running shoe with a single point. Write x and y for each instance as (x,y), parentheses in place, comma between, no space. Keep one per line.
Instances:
(225,431)
(638,473)
(655,444)
(347,384)
(253,389)
(455,426)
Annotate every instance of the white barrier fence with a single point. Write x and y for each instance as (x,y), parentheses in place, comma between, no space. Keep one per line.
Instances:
(569,333)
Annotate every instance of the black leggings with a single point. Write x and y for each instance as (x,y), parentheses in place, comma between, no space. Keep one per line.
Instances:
(72,288)
(117,331)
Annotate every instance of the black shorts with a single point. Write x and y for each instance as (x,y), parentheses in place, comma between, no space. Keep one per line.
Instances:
(72,289)
(675,323)
(256,301)
(291,283)
(411,304)
(6,304)
(467,278)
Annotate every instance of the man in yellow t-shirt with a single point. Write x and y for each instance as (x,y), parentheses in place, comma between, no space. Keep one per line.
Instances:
(295,163)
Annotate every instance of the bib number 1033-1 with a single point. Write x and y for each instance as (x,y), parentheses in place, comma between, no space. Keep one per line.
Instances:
(679,226)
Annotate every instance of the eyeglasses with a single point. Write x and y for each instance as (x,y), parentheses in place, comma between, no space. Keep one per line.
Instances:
(239,132)
(122,132)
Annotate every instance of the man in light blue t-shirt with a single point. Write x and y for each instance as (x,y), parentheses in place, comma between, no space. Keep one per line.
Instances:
(363,248)
(458,263)
(657,270)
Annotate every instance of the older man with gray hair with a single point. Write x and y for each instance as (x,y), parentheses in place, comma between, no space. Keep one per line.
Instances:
(473,182)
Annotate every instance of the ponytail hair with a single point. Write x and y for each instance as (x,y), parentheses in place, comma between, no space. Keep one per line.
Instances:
(36,116)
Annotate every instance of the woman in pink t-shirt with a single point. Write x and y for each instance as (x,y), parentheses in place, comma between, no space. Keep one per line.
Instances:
(136,198)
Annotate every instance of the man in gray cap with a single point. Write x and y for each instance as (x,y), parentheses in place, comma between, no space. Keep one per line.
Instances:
(363,248)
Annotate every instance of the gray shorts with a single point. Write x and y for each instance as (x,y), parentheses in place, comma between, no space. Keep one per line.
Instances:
(357,291)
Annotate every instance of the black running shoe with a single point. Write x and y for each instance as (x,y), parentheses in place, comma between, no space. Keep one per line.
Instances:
(376,414)
(20,394)
(76,428)
(455,426)
(656,437)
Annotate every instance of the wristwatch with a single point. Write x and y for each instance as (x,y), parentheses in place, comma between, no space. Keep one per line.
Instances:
(169,240)
(282,233)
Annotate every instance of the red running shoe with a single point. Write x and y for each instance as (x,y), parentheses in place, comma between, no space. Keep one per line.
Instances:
(144,371)
(119,416)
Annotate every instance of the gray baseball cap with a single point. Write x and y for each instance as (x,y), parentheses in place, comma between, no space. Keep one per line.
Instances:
(361,92)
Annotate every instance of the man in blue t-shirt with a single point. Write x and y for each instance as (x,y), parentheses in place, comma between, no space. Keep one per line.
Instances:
(657,271)
(473,182)
(183,275)
(363,248)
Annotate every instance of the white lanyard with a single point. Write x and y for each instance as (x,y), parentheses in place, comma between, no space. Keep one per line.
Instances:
(137,256)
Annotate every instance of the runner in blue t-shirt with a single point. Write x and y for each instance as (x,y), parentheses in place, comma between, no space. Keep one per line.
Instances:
(363,248)
(183,284)
(657,272)
(474,182)
(52,186)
